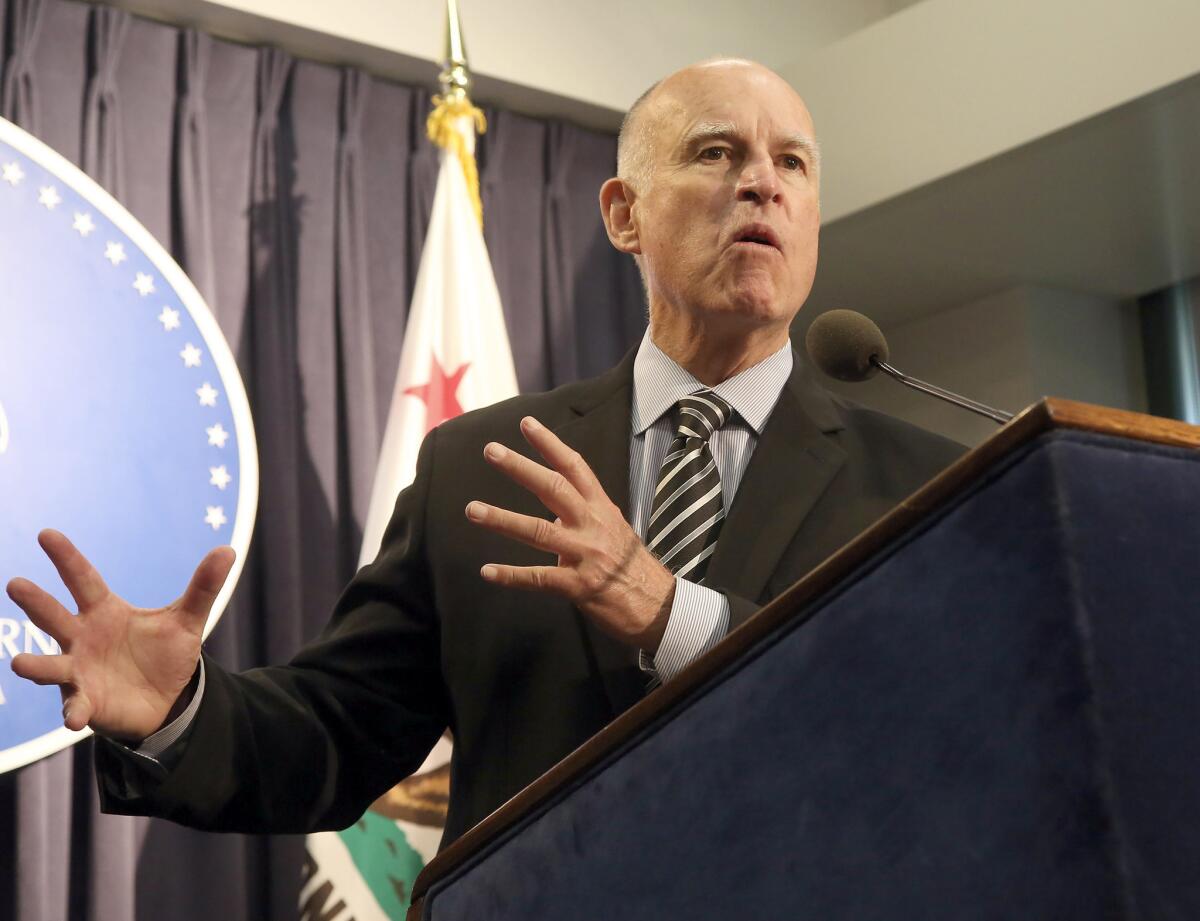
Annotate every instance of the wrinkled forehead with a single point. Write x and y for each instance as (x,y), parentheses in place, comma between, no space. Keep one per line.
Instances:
(744,99)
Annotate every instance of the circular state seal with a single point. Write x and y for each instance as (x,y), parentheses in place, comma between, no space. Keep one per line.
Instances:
(135,437)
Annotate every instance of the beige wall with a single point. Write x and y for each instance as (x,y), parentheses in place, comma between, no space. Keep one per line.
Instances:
(1008,350)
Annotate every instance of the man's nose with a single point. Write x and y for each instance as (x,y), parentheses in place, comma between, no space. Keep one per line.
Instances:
(758,181)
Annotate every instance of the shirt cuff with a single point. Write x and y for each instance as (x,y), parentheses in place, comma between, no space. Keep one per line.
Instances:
(699,619)
(153,746)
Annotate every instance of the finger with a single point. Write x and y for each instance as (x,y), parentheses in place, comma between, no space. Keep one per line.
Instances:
(197,600)
(554,579)
(551,487)
(77,711)
(563,458)
(534,532)
(78,575)
(44,610)
(43,669)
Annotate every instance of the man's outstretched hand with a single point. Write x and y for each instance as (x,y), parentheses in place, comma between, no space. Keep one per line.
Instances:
(603,567)
(122,668)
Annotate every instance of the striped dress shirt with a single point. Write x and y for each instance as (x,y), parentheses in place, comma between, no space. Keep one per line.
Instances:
(699,616)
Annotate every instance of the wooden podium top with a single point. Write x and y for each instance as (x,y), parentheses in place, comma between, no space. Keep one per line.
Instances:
(1043,416)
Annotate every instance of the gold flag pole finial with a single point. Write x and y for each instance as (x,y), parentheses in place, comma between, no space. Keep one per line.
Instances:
(444,125)
(456,75)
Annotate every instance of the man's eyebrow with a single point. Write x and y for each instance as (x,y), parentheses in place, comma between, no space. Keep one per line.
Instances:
(725,131)
(806,144)
(709,131)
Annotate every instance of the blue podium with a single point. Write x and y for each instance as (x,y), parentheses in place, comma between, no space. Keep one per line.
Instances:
(987,706)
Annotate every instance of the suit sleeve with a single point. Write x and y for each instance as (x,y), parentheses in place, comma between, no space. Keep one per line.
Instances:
(309,745)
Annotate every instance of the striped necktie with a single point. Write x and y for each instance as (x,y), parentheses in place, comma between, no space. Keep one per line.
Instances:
(686,515)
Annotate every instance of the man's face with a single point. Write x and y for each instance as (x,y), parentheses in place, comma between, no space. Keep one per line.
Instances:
(727,226)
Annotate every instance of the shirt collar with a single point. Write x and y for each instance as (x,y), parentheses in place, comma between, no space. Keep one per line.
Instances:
(659,383)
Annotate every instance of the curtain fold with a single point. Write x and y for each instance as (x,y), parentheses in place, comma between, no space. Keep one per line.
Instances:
(191,238)
(101,155)
(561,331)
(357,411)
(24,21)
(42,844)
(272,342)
(513,187)
(296,196)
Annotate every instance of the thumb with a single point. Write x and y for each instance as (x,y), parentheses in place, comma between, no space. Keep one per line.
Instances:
(197,600)
(77,711)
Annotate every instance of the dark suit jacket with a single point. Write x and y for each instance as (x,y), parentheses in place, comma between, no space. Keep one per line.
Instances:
(419,642)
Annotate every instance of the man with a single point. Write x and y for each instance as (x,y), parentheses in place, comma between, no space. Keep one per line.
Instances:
(717,197)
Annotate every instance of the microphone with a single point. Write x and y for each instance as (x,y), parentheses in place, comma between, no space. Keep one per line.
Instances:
(849,347)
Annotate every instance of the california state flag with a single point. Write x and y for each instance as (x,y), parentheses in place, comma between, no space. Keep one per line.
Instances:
(455,357)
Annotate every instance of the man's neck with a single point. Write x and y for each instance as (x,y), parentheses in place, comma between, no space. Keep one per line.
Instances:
(712,358)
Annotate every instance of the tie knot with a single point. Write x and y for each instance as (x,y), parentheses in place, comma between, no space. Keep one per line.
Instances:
(698,415)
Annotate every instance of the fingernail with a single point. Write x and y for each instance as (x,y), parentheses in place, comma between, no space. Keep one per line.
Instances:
(494,451)
(530,423)
(475,511)
(489,572)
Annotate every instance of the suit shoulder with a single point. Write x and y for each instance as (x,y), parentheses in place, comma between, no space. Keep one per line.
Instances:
(550,407)
(881,431)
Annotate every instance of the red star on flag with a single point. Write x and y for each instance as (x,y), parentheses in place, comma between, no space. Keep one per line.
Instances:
(440,395)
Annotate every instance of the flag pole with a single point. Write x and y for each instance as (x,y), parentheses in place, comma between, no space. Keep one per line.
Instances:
(455,357)
(456,75)
(454,121)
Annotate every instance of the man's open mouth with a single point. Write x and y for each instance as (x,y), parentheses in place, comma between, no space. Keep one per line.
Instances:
(759,234)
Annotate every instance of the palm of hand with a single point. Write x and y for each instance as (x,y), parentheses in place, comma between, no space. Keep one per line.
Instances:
(129,667)
(122,668)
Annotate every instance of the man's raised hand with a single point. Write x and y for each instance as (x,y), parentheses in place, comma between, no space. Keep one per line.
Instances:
(122,668)
(602,565)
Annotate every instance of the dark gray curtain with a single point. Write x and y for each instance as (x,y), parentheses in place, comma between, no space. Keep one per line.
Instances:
(296,196)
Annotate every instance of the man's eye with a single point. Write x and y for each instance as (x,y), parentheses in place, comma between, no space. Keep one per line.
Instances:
(712,153)
(791,162)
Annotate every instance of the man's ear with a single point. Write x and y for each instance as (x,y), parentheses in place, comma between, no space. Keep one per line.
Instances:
(616,207)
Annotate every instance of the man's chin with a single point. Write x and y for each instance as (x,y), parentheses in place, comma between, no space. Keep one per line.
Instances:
(757,304)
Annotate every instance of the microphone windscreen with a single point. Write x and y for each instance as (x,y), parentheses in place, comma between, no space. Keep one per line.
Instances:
(842,343)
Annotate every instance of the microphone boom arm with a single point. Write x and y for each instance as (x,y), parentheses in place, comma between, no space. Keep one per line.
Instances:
(996,415)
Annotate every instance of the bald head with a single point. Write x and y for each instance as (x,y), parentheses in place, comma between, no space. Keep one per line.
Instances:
(637,137)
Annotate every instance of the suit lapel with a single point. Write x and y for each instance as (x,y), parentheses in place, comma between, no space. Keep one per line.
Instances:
(600,432)
(794,449)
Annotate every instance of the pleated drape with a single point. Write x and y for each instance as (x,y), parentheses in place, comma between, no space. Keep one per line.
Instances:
(358,412)
(191,232)
(296,196)
(102,115)
(24,23)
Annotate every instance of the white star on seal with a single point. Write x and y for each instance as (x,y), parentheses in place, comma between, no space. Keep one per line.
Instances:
(217,435)
(191,356)
(13,174)
(144,284)
(215,516)
(207,394)
(83,224)
(219,477)
(114,253)
(48,196)
(169,319)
